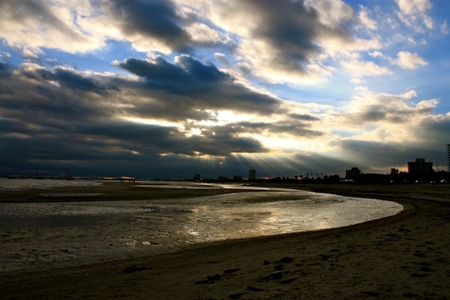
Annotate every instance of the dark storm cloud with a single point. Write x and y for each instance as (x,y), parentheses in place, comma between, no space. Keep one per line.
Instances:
(304,117)
(75,81)
(156,19)
(44,121)
(433,132)
(379,113)
(178,78)
(22,10)
(439,125)
(66,78)
(293,30)
(288,26)
(191,85)
(375,114)
(33,97)
(157,139)
(5,69)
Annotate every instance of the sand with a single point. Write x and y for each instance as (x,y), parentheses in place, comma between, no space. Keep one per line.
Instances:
(403,256)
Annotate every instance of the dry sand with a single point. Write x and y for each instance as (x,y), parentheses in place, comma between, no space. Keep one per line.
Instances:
(404,256)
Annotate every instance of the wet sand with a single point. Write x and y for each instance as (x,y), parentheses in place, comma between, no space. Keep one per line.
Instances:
(404,256)
(50,235)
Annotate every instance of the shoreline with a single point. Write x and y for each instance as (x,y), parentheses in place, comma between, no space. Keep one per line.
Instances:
(54,234)
(402,256)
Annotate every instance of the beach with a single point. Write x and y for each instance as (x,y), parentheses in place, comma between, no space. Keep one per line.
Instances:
(402,256)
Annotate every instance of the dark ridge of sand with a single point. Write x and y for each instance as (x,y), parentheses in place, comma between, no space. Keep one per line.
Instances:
(406,256)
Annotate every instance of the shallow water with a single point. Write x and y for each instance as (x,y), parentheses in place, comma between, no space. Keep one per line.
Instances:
(29,183)
(65,234)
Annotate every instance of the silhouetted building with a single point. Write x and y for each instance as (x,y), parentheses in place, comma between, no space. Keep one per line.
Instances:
(252,174)
(420,167)
(196,177)
(352,173)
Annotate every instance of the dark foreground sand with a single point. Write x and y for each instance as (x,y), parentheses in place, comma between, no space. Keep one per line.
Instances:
(400,257)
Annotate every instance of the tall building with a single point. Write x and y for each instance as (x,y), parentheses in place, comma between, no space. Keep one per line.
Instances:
(252,174)
(353,173)
(448,157)
(196,177)
(420,167)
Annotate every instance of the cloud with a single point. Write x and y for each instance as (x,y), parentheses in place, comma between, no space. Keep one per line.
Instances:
(222,58)
(384,118)
(198,85)
(444,27)
(446,64)
(376,54)
(5,54)
(211,85)
(279,128)
(82,26)
(5,69)
(287,42)
(156,26)
(155,20)
(34,24)
(366,20)
(435,130)
(358,69)
(412,7)
(62,76)
(75,117)
(32,53)
(414,13)
(408,60)
(89,114)
(78,119)
(290,42)
(304,117)
(390,155)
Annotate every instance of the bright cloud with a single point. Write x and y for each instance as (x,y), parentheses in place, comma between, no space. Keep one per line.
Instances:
(365,18)
(414,12)
(412,7)
(33,24)
(408,60)
(363,68)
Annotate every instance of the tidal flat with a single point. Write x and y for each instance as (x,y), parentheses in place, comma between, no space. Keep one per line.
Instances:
(67,227)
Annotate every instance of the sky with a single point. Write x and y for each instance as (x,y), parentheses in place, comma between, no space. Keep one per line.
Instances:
(168,89)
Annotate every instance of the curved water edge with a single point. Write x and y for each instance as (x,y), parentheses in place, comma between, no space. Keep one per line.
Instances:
(66,234)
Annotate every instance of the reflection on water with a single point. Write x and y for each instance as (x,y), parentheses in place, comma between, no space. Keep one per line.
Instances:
(257,213)
(119,229)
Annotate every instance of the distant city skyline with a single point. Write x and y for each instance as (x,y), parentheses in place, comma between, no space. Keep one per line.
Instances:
(172,88)
(423,167)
